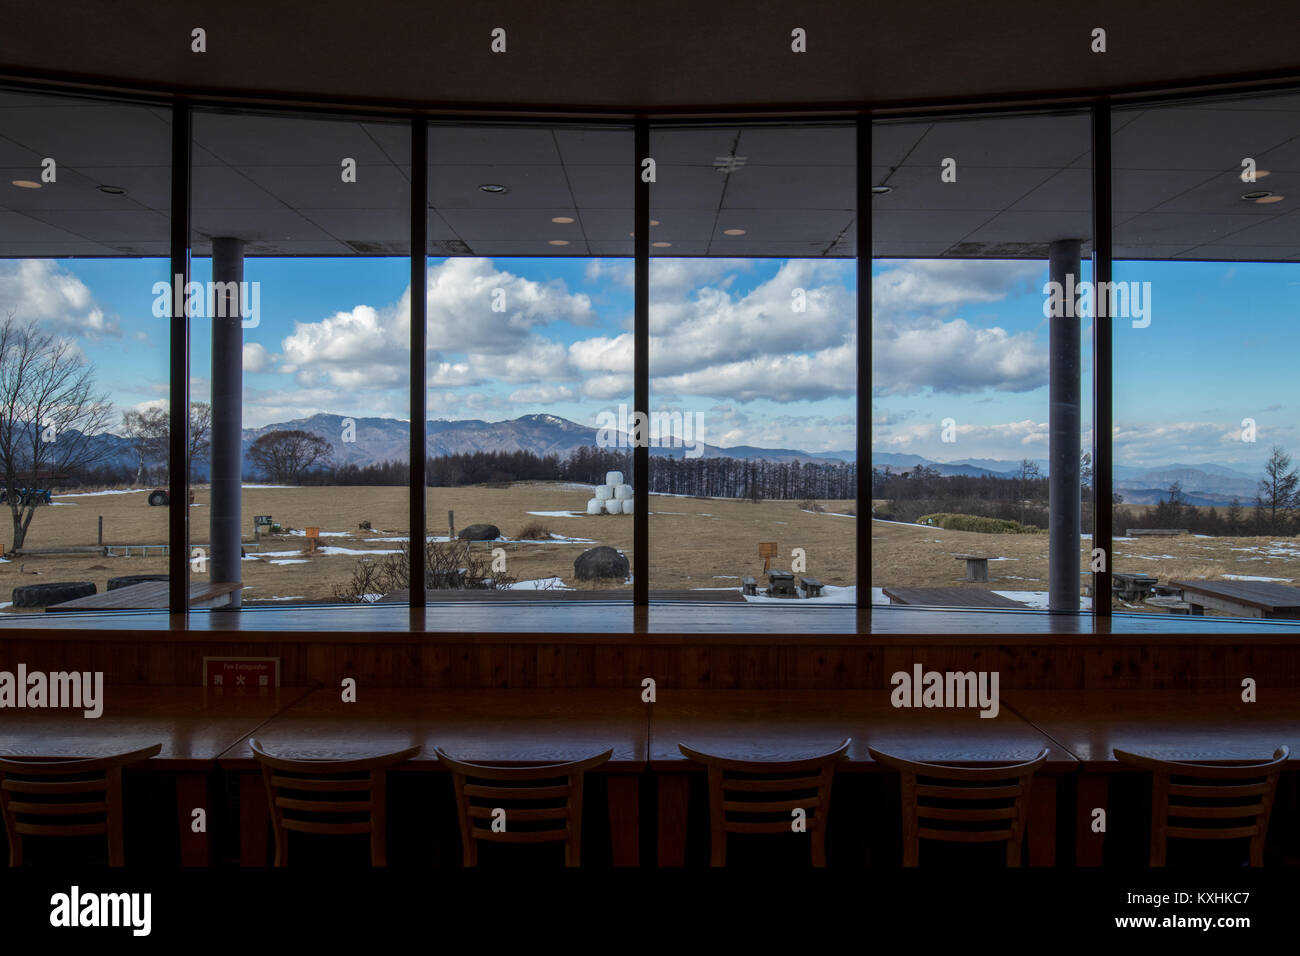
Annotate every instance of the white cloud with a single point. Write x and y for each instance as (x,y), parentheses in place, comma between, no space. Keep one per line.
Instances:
(40,289)
(256,358)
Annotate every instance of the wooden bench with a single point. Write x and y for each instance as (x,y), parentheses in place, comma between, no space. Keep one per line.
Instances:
(150,594)
(977,566)
(950,597)
(812,587)
(1175,605)
(1263,599)
(750,586)
(781,584)
(1130,586)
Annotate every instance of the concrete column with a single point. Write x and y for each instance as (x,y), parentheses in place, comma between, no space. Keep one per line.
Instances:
(1063,426)
(225,519)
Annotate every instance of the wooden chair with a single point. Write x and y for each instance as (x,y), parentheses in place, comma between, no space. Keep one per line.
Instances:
(1204,798)
(976,804)
(46,793)
(548,799)
(358,791)
(788,785)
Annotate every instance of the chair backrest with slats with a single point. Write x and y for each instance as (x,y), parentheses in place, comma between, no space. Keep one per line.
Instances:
(762,796)
(537,804)
(66,798)
(329,797)
(1196,801)
(988,803)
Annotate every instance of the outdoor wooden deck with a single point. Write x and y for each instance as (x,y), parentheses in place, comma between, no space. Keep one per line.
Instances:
(950,597)
(149,595)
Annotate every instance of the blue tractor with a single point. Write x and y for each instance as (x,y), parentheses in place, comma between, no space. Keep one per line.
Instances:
(27,496)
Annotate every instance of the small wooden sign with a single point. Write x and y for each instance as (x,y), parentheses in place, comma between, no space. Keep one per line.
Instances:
(767,551)
(241,673)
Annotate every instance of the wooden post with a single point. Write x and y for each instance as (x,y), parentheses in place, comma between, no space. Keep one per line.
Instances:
(451,524)
(101,531)
(312,535)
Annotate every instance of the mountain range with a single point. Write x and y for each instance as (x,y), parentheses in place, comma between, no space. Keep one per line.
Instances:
(1202,484)
(368,441)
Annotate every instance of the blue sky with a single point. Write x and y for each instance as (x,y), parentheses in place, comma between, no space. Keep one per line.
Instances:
(968,341)
(960,339)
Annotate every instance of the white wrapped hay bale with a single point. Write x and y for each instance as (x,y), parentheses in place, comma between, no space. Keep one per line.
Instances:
(613,478)
(604,492)
(622,492)
(595,506)
(614,506)
(629,506)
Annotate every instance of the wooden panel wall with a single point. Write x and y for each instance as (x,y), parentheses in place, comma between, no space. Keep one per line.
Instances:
(676,662)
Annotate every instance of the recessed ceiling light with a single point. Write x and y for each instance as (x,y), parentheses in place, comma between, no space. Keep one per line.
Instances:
(1255,195)
(733,232)
(563,220)
(661,245)
(654,222)
(26,184)
(881,190)
(493,188)
(1261,173)
(1268,199)
(113,190)
(557,242)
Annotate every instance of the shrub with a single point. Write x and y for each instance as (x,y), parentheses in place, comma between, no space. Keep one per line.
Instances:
(955,522)
(449,565)
(533,532)
(809,505)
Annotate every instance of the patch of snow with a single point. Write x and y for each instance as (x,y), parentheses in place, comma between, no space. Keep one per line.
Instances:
(539,584)
(291,597)
(1253,577)
(1004,559)
(95,494)
(878,596)
(323,534)
(335,550)
(555,514)
(291,561)
(269,486)
(1039,599)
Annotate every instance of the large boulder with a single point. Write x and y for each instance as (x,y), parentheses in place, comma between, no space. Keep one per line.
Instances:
(600,562)
(480,532)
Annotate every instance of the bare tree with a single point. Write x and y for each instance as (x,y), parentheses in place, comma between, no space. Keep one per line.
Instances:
(50,415)
(284,456)
(149,430)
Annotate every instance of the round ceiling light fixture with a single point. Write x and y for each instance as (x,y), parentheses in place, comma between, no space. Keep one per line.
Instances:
(1255,195)
(733,232)
(881,190)
(562,220)
(557,242)
(112,190)
(493,188)
(1269,199)
(26,184)
(661,245)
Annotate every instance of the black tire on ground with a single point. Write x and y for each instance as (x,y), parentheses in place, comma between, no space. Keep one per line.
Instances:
(43,595)
(126,580)
(158,498)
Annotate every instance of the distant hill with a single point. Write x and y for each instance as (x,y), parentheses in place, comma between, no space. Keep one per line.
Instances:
(1202,484)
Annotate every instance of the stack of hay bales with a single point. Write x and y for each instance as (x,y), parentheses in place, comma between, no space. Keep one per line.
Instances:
(613,497)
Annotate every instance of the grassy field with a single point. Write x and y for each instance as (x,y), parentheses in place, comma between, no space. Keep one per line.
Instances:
(906,555)
(694,542)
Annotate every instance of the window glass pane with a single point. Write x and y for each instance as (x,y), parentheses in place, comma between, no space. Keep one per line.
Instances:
(753,363)
(529,362)
(84,206)
(981,369)
(1207,271)
(300,487)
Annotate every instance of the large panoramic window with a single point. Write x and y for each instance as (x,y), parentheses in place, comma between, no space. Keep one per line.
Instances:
(300,359)
(753,363)
(1206,449)
(529,296)
(981,372)
(84,214)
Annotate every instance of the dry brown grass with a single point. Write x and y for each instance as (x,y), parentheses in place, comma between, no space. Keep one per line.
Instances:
(915,556)
(694,542)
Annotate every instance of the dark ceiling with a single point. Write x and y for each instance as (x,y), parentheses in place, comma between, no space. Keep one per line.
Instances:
(622,55)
